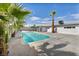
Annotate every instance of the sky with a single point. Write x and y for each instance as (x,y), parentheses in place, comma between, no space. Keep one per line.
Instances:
(68,12)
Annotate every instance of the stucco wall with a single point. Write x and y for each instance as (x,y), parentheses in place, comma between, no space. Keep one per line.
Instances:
(49,30)
(68,31)
(74,31)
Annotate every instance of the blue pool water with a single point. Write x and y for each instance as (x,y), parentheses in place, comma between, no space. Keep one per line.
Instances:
(29,37)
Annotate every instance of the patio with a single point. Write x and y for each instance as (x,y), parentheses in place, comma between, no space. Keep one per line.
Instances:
(59,45)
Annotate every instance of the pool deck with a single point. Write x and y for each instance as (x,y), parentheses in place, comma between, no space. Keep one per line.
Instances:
(59,45)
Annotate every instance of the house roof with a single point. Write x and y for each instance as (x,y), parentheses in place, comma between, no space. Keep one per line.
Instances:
(77,24)
(57,25)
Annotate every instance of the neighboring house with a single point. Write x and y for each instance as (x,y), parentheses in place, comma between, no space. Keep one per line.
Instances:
(42,27)
(39,27)
(66,29)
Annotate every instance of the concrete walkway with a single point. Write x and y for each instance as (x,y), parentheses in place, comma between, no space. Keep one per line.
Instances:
(59,45)
(63,45)
(17,48)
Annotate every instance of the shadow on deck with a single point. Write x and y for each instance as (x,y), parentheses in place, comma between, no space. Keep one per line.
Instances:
(53,52)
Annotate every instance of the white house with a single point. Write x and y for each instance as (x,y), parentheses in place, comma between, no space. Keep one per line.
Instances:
(66,29)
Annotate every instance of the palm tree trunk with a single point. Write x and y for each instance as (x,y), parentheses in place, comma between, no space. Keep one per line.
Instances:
(5,47)
(53,25)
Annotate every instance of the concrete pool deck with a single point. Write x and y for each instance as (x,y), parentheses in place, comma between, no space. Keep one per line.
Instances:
(59,45)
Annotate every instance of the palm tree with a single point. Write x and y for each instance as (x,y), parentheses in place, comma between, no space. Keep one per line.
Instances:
(61,22)
(19,14)
(53,14)
(11,14)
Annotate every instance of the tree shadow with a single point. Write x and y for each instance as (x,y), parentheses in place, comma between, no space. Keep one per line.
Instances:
(53,52)
(57,46)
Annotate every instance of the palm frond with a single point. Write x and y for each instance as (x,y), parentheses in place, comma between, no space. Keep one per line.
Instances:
(4,6)
(4,18)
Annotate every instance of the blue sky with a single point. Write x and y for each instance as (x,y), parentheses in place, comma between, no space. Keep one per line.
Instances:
(41,12)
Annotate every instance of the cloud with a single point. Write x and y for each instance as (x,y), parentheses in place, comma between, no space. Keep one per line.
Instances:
(62,17)
(71,22)
(34,18)
(47,19)
(76,16)
(46,22)
(39,20)
(72,18)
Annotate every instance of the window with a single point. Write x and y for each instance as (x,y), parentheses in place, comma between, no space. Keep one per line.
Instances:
(70,27)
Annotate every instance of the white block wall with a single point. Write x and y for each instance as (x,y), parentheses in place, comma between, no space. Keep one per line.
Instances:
(49,30)
(74,31)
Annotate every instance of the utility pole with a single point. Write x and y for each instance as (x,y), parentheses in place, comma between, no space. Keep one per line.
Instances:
(53,14)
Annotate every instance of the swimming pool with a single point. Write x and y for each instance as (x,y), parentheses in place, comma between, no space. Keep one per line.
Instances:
(29,37)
